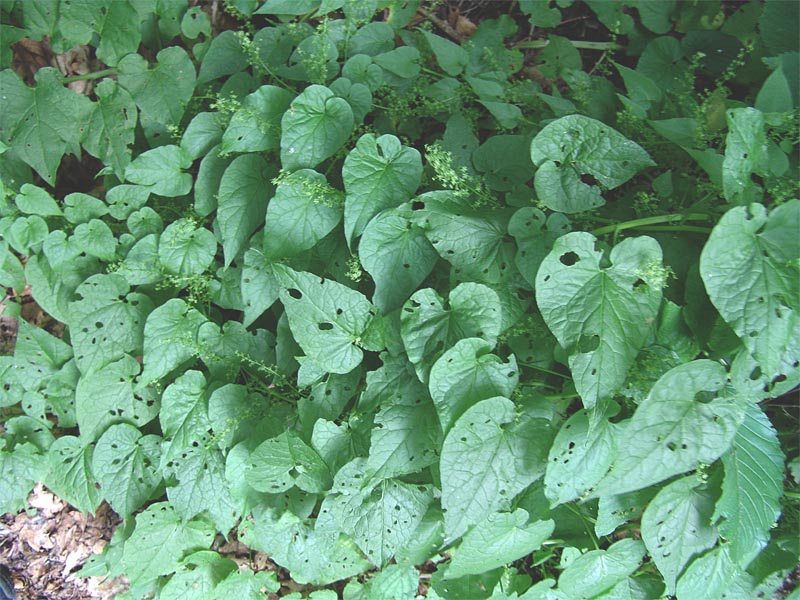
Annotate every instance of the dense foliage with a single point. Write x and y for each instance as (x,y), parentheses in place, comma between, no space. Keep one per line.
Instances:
(516,313)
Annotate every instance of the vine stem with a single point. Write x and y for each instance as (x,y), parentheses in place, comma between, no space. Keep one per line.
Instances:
(581,45)
(90,76)
(644,222)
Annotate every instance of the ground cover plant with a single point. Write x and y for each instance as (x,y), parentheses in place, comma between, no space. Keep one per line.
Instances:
(414,302)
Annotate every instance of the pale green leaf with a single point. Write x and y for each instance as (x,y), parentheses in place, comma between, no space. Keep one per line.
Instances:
(488,457)
(677,525)
(535,235)
(579,458)
(428,328)
(304,210)
(161,170)
(316,125)
(379,173)
(575,146)
(596,571)
(708,577)
(467,373)
(33,200)
(600,316)
(49,120)
(159,542)
(285,461)
(752,487)
(394,582)
(244,191)
(745,155)
(381,516)
(498,540)
(170,338)
(185,249)
(126,466)
(260,287)
(315,556)
(406,437)
(107,322)
(202,134)
(255,127)
(327,318)
(755,287)
(19,471)
(160,92)
(397,255)
(70,474)
(184,415)
(109,395)
(687,420)
(95,238)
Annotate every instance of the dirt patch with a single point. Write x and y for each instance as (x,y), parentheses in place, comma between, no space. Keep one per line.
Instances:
(44,547)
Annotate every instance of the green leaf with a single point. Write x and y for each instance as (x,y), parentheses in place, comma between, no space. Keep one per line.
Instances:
(48,120)
(170,338)
(314,128)
(33,200)
(285,461)
(184,414)
(38,355)
(576,146)
(108,396)
(466,374)
(579,458)
(535,235)
(450,56)
(488,457)
(126,466)
(397,255)
(304,210)
(161,171)
(313,555)
(503,160)
(247,585)
(159,542)
(752,487)
(763,263)
(209,176)
(327,318)
(242,201)
(202,134)
(559,57)
(474,242)
(185,250)
(379,173)
(402,62)
(200,485)
(406,437)
(255,127)
(225,56)
(428,328)
(260,287)
(498,540)
(709,576)
(70,475)
(380,516)
(161,92)
(596,571)
(79,21)
(745,155)
(19,470)
(677,525)
(198,576)
(394,581)
(95,238)
(601,316)
(676,428)
(107,322)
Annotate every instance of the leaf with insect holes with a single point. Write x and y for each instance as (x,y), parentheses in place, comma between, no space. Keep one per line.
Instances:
(574,148)
(327,318)
(687,419)
(767,316)
(600,315)
(379,173)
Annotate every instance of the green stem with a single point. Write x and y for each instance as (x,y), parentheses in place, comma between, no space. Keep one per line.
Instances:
(639,223)
(586,524)
(688,228)
(90,76)
(601,46)
(543,370)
